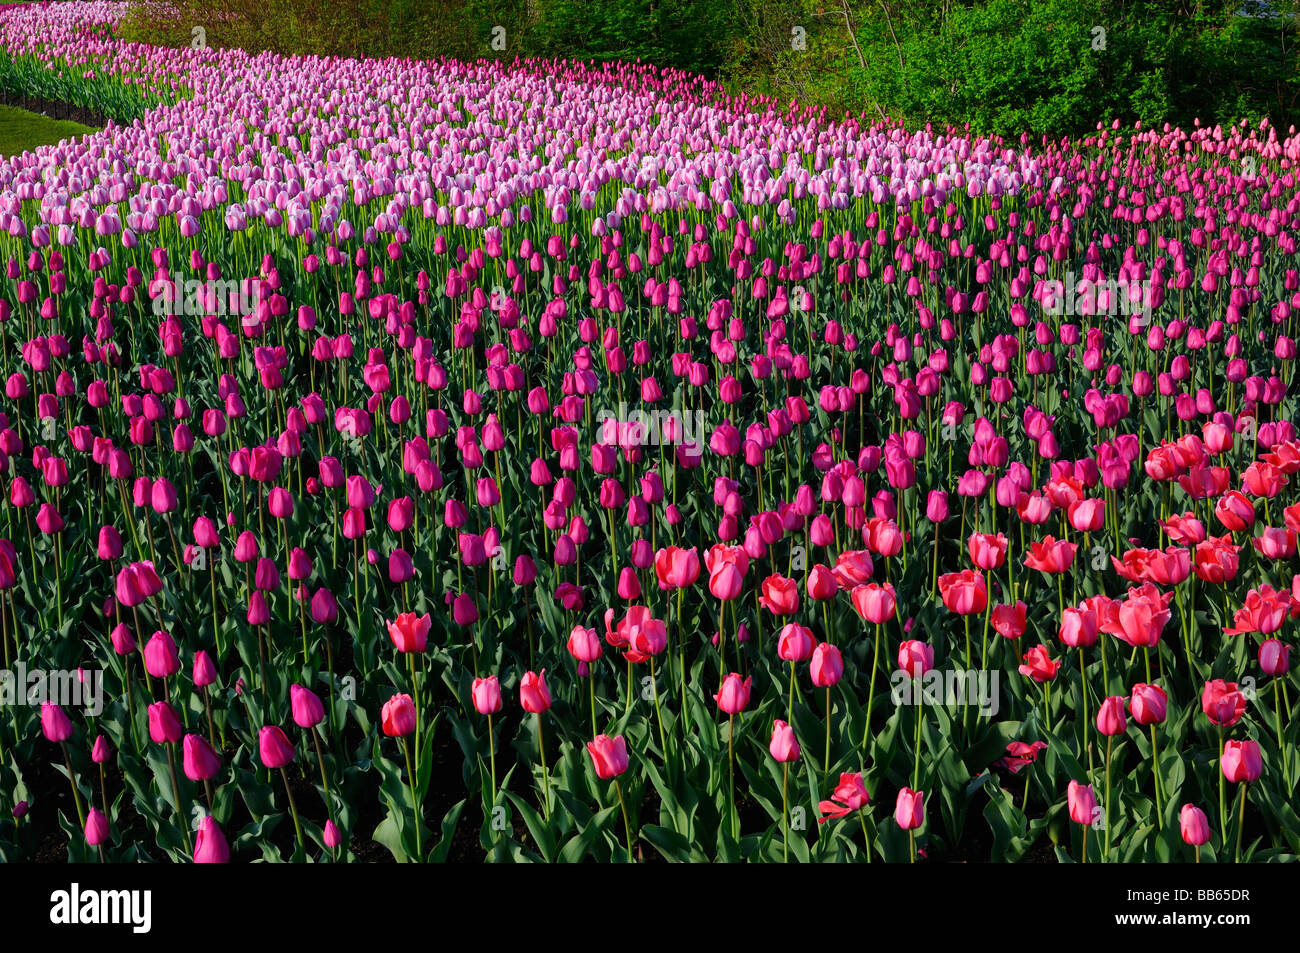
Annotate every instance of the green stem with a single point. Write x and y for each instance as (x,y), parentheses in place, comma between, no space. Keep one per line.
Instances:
(785,810)
(1109,741)
(293,807)
(1241,821)
(627,825)
(546,775)
(415,801)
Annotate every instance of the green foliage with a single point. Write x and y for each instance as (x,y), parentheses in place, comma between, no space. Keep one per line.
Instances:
(397,28)
(1055,67)
(1038,66)
(684,34)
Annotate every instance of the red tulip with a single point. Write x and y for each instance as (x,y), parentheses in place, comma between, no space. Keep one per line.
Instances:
(1051,555)
(795,643)
(986,550)
(1010,621)
(1242,761)
(780,595)
(676,568)
(821,583)
(534,696)
(398,716)
(733,696)
(915,658)
(1222,702)
(1149,704)
(827,665)
(874,603)
(850,795)
(1111,719)
(1039,665)
(608,756)
(1234,511)
(964,592)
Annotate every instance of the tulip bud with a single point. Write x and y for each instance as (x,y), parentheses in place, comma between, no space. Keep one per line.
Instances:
(275,747)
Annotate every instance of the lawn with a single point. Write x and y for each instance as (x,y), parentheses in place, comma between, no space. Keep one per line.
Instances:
(21,130)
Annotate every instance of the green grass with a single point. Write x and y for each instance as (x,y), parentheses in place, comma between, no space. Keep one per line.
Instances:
(21,130)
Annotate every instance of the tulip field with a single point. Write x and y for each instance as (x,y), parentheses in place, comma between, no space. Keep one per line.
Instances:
(431,461)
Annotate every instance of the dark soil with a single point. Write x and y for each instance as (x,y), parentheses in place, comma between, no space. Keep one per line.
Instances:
(54,109)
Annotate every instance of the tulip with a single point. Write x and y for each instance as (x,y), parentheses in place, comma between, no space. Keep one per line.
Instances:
(780,595)
(1274,657)
(783,746)
(1194,827)
(1010,621)
(1039,665)
(1051,555)
(1234,511)
(874,603)
(533,693)
(487,695)
(676,568)
(987,551)
(410,632)
(201,762)
(308,712)
(821,583)
(398,716)
(210,845)
(274,746)
(203,673)
(1149,704)
(963,592)
(850,795)
(608,756)
(584,644)
(164,724)
(1083,807)
(733,696)
(795,643)
(56,725)
(1111,719)
(1242,761)
(909,814)
(160,656)
(1222,702)
(915,658)
(96,829)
